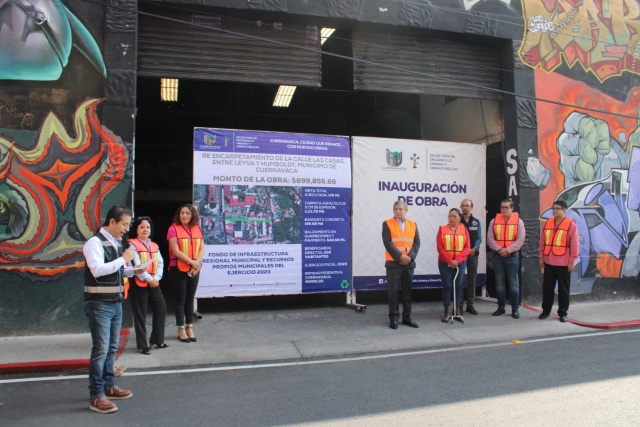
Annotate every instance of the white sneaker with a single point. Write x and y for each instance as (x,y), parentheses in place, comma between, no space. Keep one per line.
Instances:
(118,370)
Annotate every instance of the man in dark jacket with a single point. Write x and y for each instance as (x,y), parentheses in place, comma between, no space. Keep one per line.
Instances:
(475,239)
(402,242)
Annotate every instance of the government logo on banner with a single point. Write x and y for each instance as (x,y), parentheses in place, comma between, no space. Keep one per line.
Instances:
(394,159)
(210,139)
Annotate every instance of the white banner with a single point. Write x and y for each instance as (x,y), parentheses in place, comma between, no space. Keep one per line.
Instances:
(432,177)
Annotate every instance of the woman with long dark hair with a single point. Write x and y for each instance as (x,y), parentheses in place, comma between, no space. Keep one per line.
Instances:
(186,249)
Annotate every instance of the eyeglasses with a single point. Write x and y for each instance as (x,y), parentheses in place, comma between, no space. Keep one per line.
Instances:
(143,218)
(465,206)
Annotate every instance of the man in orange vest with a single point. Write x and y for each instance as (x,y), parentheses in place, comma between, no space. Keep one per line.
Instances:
(505,237)
(402,242)
(559,249)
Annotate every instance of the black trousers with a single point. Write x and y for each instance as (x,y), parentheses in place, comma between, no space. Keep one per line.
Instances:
(184,291)
(472,273)
(553,273)
(141,298)
(399,281)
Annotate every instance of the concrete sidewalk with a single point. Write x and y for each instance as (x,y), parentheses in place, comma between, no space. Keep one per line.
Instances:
(296,334)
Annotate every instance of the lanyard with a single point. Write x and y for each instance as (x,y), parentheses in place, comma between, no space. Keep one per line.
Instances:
(454,240)
(191,239)
(145,245)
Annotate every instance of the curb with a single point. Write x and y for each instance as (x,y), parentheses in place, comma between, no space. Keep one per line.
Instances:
(610,325)
(58,365)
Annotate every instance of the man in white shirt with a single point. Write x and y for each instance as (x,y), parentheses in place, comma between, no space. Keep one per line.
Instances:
(103,295)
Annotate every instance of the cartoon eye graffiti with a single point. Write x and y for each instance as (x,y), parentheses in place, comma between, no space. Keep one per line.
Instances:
(36,37)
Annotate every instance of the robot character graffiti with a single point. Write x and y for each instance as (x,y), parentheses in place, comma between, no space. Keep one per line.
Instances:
(602,190)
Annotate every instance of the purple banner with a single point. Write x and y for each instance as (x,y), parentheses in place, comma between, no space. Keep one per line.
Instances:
(242,141)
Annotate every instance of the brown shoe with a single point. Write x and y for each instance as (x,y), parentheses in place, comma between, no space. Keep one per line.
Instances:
(102,405)
(445,318)
(118,393)
(118,370)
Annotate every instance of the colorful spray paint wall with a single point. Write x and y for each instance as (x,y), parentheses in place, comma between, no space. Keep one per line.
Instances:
(586,59)
(66,129)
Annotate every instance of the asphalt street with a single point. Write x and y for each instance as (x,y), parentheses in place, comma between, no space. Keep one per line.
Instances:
(580,380)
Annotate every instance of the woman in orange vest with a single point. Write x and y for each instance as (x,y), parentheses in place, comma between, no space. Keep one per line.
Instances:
(186,249)
(145,288)
(453,246)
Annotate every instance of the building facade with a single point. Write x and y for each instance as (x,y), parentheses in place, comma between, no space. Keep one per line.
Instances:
(551,85)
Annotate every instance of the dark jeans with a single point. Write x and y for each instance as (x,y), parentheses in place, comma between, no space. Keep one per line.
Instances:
(447,275)
(184,291)
(553,273)
(506,269)
(399,281)
(472,272)
(140,299)
(105,320)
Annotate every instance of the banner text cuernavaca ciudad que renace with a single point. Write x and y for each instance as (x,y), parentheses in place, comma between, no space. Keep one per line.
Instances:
(275,212)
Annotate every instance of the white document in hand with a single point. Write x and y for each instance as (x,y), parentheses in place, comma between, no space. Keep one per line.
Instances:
(144,265)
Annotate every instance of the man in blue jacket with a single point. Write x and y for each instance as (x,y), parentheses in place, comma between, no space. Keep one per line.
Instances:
(475,239)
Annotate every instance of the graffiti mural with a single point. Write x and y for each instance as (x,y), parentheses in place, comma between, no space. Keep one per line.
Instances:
(601,35)
(594,164)
(52,190)
(469,4)
(36,38)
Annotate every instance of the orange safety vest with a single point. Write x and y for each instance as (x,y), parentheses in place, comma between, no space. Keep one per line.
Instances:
(402,241)
(505,233)
(556,239)
(146,253)
(189,243)
(125,281)
(452,242)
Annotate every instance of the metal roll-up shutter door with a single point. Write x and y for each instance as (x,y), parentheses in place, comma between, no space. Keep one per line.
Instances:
(175,50)
(476,64)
